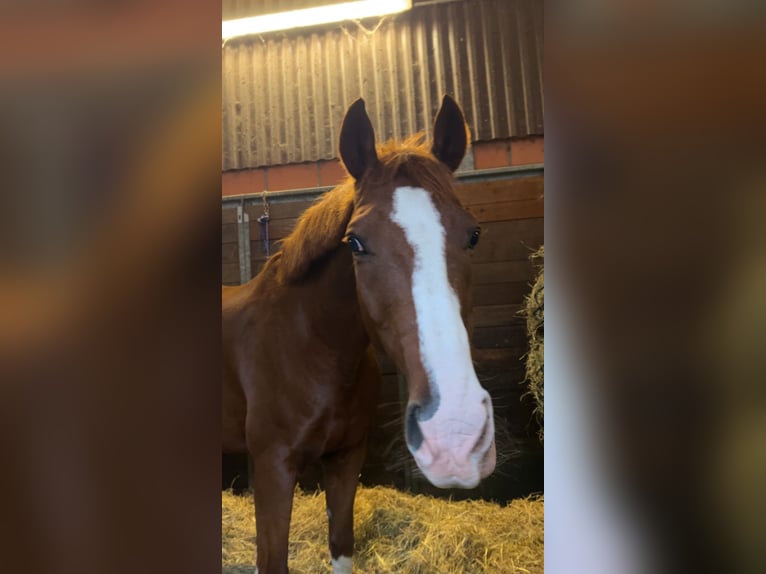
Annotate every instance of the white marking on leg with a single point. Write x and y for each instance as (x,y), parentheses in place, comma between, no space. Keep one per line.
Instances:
(443,340)
(342,565)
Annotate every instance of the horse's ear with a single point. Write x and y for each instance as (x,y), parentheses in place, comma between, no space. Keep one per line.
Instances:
(450,136)
(357,141)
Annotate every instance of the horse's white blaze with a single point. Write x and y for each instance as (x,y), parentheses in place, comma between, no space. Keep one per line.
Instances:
(342,565)
(442,336)
(458,434)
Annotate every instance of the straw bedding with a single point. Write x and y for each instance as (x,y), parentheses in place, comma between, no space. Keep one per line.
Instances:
(534,311)
(399,533)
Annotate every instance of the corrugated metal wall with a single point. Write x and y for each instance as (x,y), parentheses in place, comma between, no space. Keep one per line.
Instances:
(284,94)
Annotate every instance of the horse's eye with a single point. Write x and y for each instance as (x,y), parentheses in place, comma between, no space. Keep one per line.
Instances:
(355,244)
(474,238)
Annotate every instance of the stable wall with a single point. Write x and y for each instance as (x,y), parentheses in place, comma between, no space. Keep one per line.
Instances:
(508,202)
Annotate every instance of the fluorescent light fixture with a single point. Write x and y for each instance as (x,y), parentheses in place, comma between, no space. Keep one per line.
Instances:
(312,16)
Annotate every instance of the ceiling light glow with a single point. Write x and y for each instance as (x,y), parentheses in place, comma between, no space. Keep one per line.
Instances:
(312,17)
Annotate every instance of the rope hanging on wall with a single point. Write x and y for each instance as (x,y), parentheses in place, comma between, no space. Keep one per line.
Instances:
(263,224)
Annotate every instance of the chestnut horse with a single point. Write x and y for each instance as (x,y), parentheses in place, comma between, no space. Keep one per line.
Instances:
(382,259)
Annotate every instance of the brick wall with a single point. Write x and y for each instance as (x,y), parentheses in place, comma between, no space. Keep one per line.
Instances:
(486,155)
(513,152)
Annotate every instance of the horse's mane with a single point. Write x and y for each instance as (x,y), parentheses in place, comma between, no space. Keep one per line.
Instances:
(319,230)
(321,227)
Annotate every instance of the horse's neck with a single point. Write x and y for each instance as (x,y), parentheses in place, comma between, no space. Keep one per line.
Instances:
(330,301)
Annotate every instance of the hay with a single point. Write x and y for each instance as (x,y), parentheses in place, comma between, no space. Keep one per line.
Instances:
(398,532)
(534,311)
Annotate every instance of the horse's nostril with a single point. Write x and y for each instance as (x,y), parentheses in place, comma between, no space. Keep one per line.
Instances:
(412,431)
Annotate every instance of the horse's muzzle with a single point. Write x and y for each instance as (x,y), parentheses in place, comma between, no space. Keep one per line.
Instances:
(455,447)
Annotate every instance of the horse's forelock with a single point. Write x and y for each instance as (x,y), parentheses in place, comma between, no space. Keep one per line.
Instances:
(412,159)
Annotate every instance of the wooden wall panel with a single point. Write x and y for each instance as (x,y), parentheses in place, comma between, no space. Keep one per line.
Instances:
(512,240)
(229,253)
(230,273)
(501,190)
(229,247)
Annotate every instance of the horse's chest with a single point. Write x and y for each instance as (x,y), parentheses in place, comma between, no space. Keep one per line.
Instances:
(312,405)
(342,430)
(336,423)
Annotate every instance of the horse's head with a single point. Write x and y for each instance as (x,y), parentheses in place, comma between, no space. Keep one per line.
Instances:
(411,239)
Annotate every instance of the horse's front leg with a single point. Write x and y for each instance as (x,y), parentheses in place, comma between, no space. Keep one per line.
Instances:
(274,479)
(341,474)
